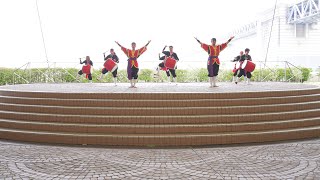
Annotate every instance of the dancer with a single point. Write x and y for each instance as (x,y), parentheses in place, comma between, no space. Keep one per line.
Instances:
(133,67)
(236,69)
(114,58)
(172,69)
(163,68)
(213,63)
(86,69)
(247,75)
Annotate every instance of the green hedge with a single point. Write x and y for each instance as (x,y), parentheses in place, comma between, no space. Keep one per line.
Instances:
(60,75)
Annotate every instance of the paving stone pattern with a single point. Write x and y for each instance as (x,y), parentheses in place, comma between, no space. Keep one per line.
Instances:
(286,160)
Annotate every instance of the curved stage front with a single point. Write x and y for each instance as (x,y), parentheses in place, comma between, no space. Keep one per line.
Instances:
(159,114)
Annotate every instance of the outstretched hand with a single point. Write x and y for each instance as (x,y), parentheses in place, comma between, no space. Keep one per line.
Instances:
(117,43)
(148,42)
(197,40)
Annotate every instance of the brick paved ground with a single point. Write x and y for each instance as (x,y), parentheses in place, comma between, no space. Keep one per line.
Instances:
(288,160)
(159,87)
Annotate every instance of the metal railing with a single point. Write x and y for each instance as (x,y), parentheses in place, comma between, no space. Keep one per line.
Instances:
(288,68)
(35,72)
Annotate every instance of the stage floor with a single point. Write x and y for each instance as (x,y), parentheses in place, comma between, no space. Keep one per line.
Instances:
(158,87)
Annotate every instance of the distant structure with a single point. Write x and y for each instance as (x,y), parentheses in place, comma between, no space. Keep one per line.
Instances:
(288,32)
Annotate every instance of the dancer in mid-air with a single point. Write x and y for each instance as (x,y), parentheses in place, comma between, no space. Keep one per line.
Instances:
(243,72)
(113,57)
(86,69)
(237,66)
(171,65)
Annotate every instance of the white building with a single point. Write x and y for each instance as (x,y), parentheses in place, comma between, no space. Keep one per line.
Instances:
(289,32)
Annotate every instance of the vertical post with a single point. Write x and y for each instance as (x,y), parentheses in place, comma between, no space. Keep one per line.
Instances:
(260,72)
(30,71)
(285,70)
(43,41)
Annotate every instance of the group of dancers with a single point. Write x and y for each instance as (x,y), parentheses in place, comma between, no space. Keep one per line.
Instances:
(168,63)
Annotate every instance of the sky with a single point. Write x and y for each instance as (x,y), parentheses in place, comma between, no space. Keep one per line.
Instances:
(77,28)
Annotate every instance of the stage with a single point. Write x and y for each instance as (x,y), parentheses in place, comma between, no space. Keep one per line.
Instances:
(159,114)
(158,87)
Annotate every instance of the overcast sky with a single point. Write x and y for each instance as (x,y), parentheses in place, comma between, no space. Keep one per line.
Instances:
(76,28)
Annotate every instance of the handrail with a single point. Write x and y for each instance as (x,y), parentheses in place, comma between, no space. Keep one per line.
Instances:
(50,74)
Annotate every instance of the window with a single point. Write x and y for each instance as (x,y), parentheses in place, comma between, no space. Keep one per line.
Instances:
(300,30)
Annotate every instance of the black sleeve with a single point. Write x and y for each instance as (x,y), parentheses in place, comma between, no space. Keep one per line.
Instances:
(109,56)
(175,56)
(116,58)
(162,58)
(243,57)
(237,58)
(249,58)
(164,48)
(167,53)
(91,63)
(82,62)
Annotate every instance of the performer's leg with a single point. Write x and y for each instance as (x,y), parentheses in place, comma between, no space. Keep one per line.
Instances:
(215,74)
(103,72)
(90,78)
(168,76)
(245,76)
(211,81)
(79,74)
(135,75)
(249,75)
(210,74)
(129,73)
(242,72)
(115,73)
(161,65)
(174,76)
(234,75)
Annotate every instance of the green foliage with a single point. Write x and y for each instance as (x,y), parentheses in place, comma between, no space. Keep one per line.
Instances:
(5,76)
(70,74)
(146,75)
(225,75)
(202,75)
(306,72)
(61,75)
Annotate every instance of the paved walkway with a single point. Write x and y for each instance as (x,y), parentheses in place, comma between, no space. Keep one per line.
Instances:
(289,160)
(159,87)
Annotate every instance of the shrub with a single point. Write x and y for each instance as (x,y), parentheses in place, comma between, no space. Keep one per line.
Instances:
(44,75)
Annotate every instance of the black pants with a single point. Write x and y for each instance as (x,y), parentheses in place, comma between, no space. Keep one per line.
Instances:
(114,73)
(236,72)
(172,71)
(134,72)
(213,69)
(161,65)
(89,75)
(249,75)
(244,73)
